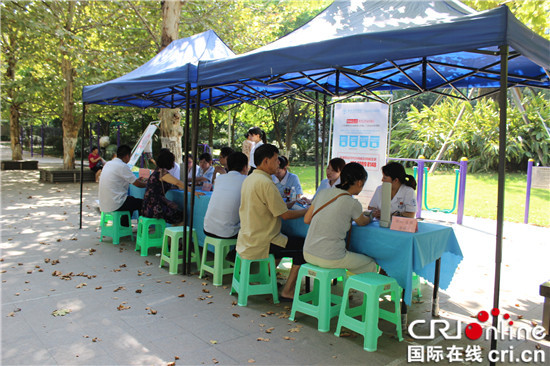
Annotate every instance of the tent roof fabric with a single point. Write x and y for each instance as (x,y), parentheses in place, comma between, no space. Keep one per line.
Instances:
(164,74)
(358,46)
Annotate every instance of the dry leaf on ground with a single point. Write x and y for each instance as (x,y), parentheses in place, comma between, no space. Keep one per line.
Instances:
(262,339)
(61,312)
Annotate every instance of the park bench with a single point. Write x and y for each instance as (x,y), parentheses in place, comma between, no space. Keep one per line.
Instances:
(53,175)
(19,164)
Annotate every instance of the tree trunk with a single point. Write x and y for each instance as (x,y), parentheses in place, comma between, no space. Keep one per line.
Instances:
(16,153)
(210,129)
(171,130)
(15,131)
(70,125)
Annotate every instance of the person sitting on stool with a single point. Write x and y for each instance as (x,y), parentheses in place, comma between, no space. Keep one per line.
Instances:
(114,182)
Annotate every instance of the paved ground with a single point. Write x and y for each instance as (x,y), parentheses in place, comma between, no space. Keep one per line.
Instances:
(112,293)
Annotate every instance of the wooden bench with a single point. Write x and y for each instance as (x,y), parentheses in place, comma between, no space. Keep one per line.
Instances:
(66,175)
(19,164)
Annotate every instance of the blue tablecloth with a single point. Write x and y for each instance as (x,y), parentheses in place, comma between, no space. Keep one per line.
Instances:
(176,195)
(400,253)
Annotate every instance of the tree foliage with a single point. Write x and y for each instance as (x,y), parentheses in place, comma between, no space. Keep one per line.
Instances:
(476,133)
(535,14)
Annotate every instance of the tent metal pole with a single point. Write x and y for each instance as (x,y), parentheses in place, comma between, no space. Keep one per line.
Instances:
(502,103)
(323,136)
(82,159)
(184,166)
(194,142)
(316,141)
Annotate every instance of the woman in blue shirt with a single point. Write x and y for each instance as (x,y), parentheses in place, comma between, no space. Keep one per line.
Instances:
(284,180)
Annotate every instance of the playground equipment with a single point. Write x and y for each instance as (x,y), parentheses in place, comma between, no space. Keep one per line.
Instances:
(460,183)
(437,209)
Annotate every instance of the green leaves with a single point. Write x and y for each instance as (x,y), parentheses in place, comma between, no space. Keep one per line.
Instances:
(476,134)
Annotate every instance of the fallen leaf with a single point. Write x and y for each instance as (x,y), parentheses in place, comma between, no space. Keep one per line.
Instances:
(538,346)
(294,330)
(47,260)
(116,270)
(58,240)
(534,323)
(122,266)
(289,338)
(200,298)
(54,262)
(181,295)
(95,339)
(17,294)
(153,312)
(520,316)
(147,263)
(171,364)
(138,291)
(270,312)
(81,285)
(269,330)
(122,307)
(61,312)
(119,288)
(213,341)
(11,314)
(204,283)
(176,358)
(215,361)
(234,303)
(29,272)
(74,238)
(262,339)
(263,315)
(517,305)
(235,315)
(251,360)
(168,282)
(182,280)
(98,288)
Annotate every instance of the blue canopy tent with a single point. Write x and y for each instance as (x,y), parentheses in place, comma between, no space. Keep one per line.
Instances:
(356,47)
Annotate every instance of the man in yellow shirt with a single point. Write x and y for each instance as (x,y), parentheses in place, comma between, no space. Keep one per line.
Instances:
(261,211)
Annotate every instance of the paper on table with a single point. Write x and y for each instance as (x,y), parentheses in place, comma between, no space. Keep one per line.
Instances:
(407,224)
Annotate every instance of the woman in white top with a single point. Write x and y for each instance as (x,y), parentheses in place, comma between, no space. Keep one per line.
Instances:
(403,196)
(257,136)
(334,168)
(330,216)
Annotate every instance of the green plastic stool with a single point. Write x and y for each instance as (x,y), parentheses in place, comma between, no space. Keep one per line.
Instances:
(266,278)
(170,245)
(219,266)
(110,226)
(416,285)
(319,303)
(146,240)
(373,285)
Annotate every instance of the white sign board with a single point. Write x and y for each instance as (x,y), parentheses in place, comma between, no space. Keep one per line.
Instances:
(360,135)
(143,141)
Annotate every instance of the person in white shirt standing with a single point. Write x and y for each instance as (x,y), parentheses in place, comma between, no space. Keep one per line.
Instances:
(222,216)
(115,179)
(257,136)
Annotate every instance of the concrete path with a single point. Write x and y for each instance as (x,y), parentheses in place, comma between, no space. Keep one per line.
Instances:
(122,309)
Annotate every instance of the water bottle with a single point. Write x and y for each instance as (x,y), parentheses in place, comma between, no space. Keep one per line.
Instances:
(293,194)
